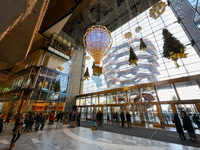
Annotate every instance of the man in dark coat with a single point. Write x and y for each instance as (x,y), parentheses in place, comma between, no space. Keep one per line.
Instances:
(178,125)
(187,124)
(128,118)
(122,118)
(195,119)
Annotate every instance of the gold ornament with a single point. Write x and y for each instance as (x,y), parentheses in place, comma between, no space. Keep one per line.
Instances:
(176,56)
(45,84)
(133,61)
(40,85)
(86,77)
(128,35)
(157,10)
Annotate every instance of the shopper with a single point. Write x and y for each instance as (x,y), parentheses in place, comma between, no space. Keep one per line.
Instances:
(122,118)
(179,127)
(100,118)
(1,122)
(78,119)
(17,130)
(195,119)
(128,118)
(187,124)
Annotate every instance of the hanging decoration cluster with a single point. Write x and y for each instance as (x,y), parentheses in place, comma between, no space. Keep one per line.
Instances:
(97,70)
(143,46)
(138,29)
(128,35)
(157,10)
(172,47)
(132,57)
(86,75)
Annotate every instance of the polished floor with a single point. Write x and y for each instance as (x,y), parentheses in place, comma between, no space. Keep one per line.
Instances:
(81,138)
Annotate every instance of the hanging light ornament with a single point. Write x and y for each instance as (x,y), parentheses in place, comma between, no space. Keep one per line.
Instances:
(86,74)
(143,46)
(157,10)
(138,29)
(128,35)
(97,42)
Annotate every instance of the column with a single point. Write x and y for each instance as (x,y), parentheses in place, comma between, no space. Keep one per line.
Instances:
(141,114)
(106,98)
(198,106)
(146,114)
(176,92)
(173,108)
(127,96)
(160,114)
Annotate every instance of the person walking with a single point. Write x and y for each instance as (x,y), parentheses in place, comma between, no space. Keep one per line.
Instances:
(195,119)
(128,118)
(179,127)
(122,118)
(187,124)
(94,119)
(100,118)
(1,122)
(42,121)
(58,117)
(38,121)
(78,119)
(17,130)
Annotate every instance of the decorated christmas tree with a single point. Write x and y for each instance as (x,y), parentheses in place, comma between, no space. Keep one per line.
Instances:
(86,75)
(143,46)
(132,57)
(172,47)
(57,87)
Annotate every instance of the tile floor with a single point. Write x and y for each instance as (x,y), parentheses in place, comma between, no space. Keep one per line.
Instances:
(80,138)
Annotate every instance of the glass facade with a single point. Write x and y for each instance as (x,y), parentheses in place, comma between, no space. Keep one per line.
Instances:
(152,66)
(196,6)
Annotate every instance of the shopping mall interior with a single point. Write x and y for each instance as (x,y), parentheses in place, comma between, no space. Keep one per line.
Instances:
(80,68)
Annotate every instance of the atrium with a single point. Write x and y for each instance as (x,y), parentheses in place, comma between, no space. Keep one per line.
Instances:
(80,68)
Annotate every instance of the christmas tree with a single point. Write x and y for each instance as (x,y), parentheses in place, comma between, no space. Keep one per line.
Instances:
(86,75)
(132,57)
(172,47)
(57,87)
(143,46)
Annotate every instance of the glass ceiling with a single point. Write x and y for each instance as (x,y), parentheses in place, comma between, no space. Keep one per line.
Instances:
(152,66)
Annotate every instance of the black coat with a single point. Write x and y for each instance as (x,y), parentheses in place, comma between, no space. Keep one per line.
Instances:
(122,117)
(128,117)
(187,124)
(178,125)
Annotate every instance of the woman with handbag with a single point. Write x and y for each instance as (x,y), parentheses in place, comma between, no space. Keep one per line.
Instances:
(17,130)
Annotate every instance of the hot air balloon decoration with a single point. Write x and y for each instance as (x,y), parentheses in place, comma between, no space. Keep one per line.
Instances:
(97,42)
